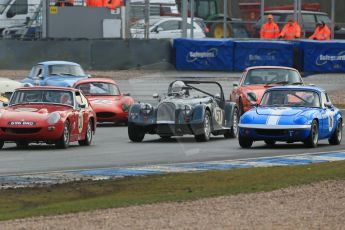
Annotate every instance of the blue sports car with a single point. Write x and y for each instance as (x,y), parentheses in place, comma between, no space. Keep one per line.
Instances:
(291,114)
(55,73)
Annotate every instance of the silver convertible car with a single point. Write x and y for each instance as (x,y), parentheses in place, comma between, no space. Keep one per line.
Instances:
(190,107)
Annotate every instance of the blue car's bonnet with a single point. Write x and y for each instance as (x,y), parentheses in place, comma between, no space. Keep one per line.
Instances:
(281,111)
(64,81)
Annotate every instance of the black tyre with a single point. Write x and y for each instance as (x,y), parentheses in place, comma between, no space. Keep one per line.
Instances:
(1,144)
(88,136)
(337,135)
(165,137)
(135,133)
(233,132)
(245,142)
(240,107)
(270,142)
(22,144)
(63,141)
(312,140)
(207,129)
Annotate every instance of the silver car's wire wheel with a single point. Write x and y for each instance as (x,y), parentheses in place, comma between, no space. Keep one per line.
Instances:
(235,124)
(207,125)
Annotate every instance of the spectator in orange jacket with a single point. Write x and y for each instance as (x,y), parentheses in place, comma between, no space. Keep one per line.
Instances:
(291,30)
(111,4)
(322,32)
(270,29)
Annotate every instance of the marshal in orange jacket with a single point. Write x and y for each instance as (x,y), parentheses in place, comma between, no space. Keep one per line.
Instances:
(291,30)
(111,4)
(322,32)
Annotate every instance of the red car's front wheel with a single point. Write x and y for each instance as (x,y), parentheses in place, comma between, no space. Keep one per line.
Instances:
(63,141)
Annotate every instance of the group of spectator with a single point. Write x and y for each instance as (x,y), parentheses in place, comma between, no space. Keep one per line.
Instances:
(111,4)
(292,30)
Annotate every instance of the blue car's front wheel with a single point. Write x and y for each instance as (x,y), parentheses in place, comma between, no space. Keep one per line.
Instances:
(245,142)
(313,138)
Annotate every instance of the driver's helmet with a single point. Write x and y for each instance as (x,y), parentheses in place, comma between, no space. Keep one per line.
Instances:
(310,99)
(66,99)
(85,88)
(177,88)
(32,97)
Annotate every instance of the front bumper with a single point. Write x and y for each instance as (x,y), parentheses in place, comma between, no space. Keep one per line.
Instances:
(32,134)
(275,132)
(179,129)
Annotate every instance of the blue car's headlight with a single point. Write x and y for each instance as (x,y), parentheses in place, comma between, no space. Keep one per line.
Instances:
(301,120)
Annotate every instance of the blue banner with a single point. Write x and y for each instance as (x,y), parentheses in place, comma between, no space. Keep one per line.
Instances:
(324,56)
(204,54)
(263,53)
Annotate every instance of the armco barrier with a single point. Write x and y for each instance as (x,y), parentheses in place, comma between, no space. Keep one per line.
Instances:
(204,54)
(264,53)
(323,56)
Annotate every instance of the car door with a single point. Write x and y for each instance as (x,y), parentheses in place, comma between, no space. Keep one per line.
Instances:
(327,115)
(80,115)
(167,29)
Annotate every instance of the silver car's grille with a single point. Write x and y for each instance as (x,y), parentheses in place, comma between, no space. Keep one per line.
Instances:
(166,113)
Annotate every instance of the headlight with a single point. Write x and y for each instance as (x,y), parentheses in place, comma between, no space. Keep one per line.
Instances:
(251,96)
(125,107)
(187,110)
(53,118)
(146,109)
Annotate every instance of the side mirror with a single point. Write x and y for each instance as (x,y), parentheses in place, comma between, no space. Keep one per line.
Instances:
(88,75)
(126,94)
(82,106)
(337,27)
(328,105)
(311,84)
(158,29)
(5,104)
(235,84)
(10,14)
(155,95)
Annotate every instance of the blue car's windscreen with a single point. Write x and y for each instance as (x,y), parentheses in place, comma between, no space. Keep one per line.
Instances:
(291,98)
(70,70)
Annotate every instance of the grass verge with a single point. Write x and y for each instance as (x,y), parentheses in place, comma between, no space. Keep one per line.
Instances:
(90,195)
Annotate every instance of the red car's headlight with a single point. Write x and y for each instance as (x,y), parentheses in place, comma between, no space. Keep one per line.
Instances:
(53,118)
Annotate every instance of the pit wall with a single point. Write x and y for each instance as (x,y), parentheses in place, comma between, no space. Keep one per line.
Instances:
(185,54)
(115,54)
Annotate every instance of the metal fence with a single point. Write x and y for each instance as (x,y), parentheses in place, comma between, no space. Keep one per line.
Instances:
(215,18)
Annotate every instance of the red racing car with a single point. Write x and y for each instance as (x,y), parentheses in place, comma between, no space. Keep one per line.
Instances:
(105,98)
(255,80)
(53,115)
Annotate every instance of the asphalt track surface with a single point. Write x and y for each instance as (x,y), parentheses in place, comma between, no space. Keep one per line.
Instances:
(112,148)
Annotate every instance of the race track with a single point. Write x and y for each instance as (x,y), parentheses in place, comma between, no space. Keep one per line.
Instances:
(112,148)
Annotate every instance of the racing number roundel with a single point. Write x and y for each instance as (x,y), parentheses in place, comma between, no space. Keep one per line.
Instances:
(218,115)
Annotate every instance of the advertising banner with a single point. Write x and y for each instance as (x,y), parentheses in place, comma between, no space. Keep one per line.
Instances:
(204,54)
(263,53)
(324,56)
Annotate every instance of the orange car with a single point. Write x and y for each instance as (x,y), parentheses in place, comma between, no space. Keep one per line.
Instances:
(106,99)
(255,80)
